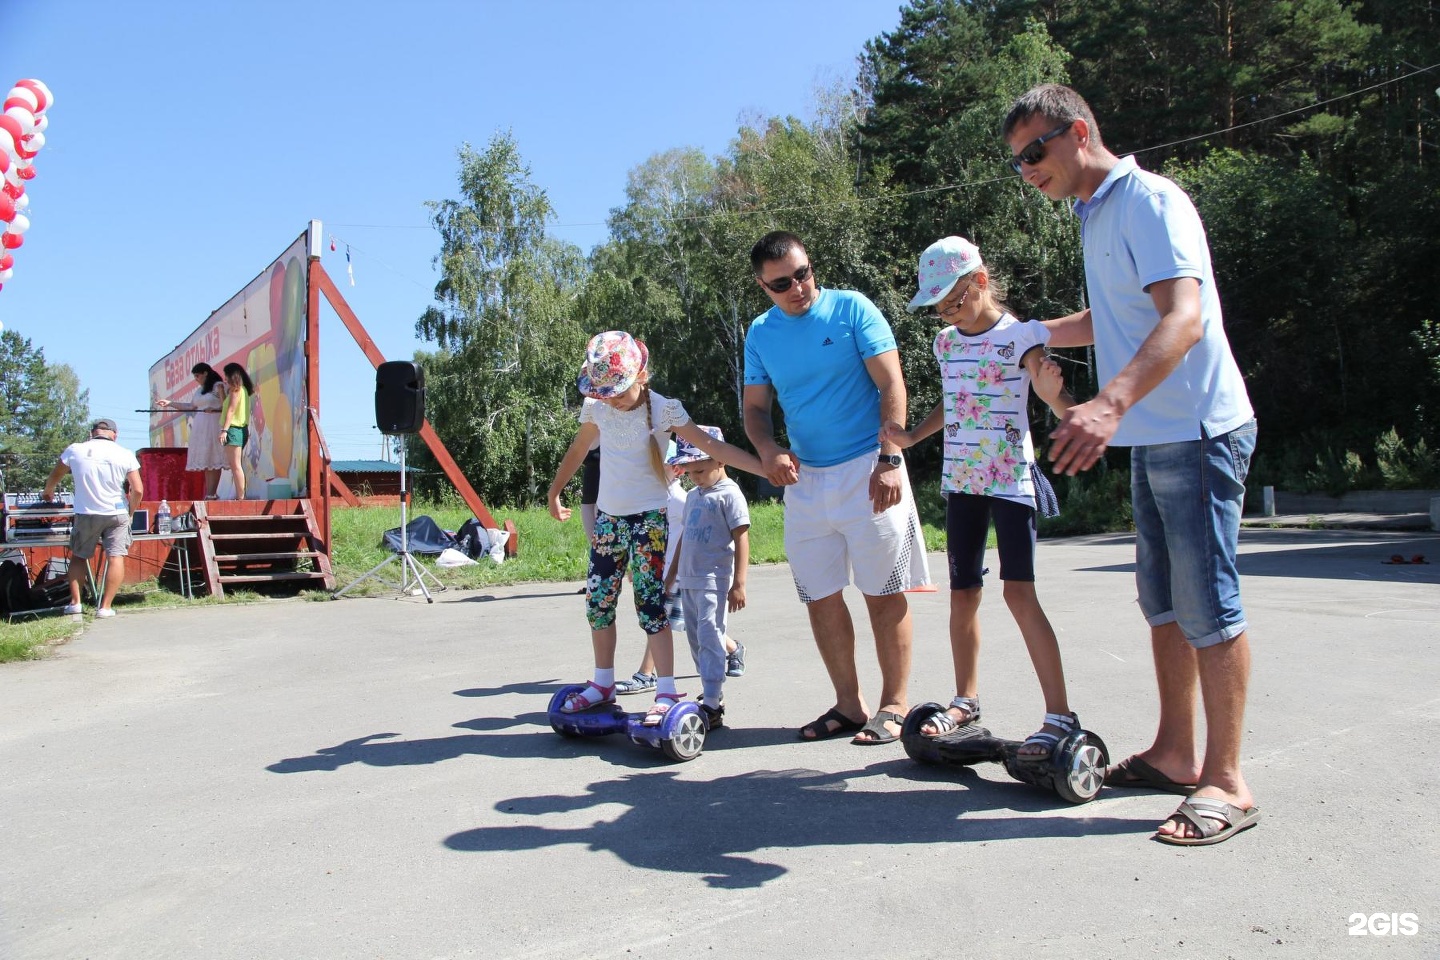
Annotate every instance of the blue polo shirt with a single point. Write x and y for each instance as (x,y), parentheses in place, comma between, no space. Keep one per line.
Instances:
(816,364)
(1140,228)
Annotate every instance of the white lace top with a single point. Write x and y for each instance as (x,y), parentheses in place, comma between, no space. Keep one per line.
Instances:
(628,482)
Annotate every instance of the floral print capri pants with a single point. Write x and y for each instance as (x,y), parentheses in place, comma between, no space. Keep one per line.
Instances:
(636,542)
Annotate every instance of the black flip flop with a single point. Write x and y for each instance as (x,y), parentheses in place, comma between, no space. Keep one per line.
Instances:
(820,726)
(876,728)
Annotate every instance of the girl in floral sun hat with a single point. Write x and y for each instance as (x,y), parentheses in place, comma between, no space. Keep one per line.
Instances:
(633,424)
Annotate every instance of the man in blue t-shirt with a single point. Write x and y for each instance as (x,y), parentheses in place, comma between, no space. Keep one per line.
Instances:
(1172,392)
(829,357)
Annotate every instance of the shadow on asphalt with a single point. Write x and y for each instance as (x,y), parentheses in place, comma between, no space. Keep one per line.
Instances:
(531,738)
(491,598)
(535,688)
(1359,555)
(706,827)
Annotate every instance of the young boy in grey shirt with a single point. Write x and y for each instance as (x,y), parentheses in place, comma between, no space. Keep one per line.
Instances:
(710,566)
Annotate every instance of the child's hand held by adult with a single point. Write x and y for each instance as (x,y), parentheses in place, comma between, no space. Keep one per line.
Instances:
(781,468)
(892,432)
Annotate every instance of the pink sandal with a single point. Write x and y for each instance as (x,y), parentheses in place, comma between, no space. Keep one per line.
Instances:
(593,695)
(656,714)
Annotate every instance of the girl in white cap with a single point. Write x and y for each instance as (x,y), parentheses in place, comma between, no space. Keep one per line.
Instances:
(989,361)
(633,424)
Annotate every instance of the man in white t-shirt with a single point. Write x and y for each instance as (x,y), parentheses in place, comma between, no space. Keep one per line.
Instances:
(107,491)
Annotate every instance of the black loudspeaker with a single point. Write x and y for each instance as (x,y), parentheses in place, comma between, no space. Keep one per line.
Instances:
(399,397)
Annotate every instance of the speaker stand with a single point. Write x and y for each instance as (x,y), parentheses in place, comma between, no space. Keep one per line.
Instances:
(408,566)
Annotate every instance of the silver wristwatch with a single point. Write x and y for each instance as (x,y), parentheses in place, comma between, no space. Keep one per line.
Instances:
(894,459)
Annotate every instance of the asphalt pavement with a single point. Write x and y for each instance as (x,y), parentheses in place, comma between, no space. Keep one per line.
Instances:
(376,778)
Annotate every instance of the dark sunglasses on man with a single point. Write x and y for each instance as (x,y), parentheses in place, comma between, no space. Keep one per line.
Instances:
(1034,151)
(784,283)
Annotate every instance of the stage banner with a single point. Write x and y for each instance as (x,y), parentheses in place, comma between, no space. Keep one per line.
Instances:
(262,328)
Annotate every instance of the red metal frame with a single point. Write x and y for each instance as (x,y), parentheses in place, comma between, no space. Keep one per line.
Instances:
(320,283)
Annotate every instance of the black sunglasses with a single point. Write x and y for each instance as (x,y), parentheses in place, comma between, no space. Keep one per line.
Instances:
(1034,151)
(783,284)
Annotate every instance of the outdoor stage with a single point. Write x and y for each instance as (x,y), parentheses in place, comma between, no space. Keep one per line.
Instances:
(235,542)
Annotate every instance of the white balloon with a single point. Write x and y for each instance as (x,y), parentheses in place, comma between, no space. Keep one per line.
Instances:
(7,144)
(20,224)
(22,202)
(25,118)
(26,94)
(6,275)
(36,142)
(42,123)
(49,97)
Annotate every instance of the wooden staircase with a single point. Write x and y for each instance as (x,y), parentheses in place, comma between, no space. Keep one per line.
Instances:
(256,550)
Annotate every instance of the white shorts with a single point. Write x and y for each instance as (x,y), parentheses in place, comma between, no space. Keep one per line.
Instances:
(832,532)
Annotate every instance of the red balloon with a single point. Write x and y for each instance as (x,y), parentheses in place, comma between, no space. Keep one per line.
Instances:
(7,210)
(4,161)
(27,173)
(13,190)
(11,241)
(6,261)
(39,92)
(12,126)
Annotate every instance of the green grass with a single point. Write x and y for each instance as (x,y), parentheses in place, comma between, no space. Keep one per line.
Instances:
(549,551)
(30,638)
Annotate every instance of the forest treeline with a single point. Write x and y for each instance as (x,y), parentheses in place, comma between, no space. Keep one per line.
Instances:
(1307,132)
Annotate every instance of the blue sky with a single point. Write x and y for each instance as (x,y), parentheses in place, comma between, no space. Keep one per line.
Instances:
(189,143)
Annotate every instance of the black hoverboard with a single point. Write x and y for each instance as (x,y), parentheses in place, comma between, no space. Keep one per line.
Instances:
(1075,768)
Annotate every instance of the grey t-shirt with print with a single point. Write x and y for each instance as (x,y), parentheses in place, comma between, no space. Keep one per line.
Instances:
(707,548)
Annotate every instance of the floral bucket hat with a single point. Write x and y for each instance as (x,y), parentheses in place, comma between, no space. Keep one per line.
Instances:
(942,265)
(613,360)
(687,452)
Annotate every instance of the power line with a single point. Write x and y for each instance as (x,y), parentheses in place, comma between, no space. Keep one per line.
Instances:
(943,188)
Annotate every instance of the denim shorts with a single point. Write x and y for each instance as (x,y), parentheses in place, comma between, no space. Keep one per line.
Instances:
(1187,498)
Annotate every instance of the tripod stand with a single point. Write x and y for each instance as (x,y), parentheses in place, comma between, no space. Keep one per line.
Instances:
(408,566)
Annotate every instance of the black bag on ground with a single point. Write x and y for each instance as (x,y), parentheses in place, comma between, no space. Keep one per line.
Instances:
(471,539)
(14,588)
(424,536)
(52,586)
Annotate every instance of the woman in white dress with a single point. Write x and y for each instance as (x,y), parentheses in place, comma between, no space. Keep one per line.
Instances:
(206,455)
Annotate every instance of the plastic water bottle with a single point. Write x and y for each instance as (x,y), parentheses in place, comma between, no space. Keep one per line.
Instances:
(162,518)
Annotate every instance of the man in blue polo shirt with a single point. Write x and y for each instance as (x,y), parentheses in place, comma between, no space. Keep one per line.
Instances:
(829,358)
(1173,393)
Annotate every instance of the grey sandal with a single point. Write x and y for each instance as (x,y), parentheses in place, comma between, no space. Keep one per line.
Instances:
(1067,722)
(639,683)
(943,723)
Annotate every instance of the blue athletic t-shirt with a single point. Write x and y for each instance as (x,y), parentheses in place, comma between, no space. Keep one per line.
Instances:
(816,364)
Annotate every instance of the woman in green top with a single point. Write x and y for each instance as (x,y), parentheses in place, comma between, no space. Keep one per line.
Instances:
(235,424)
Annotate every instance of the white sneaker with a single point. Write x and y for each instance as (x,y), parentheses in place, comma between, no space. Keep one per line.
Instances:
(74,608)
(104,612)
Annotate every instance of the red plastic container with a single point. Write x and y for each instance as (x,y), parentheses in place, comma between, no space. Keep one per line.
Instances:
(162,470)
